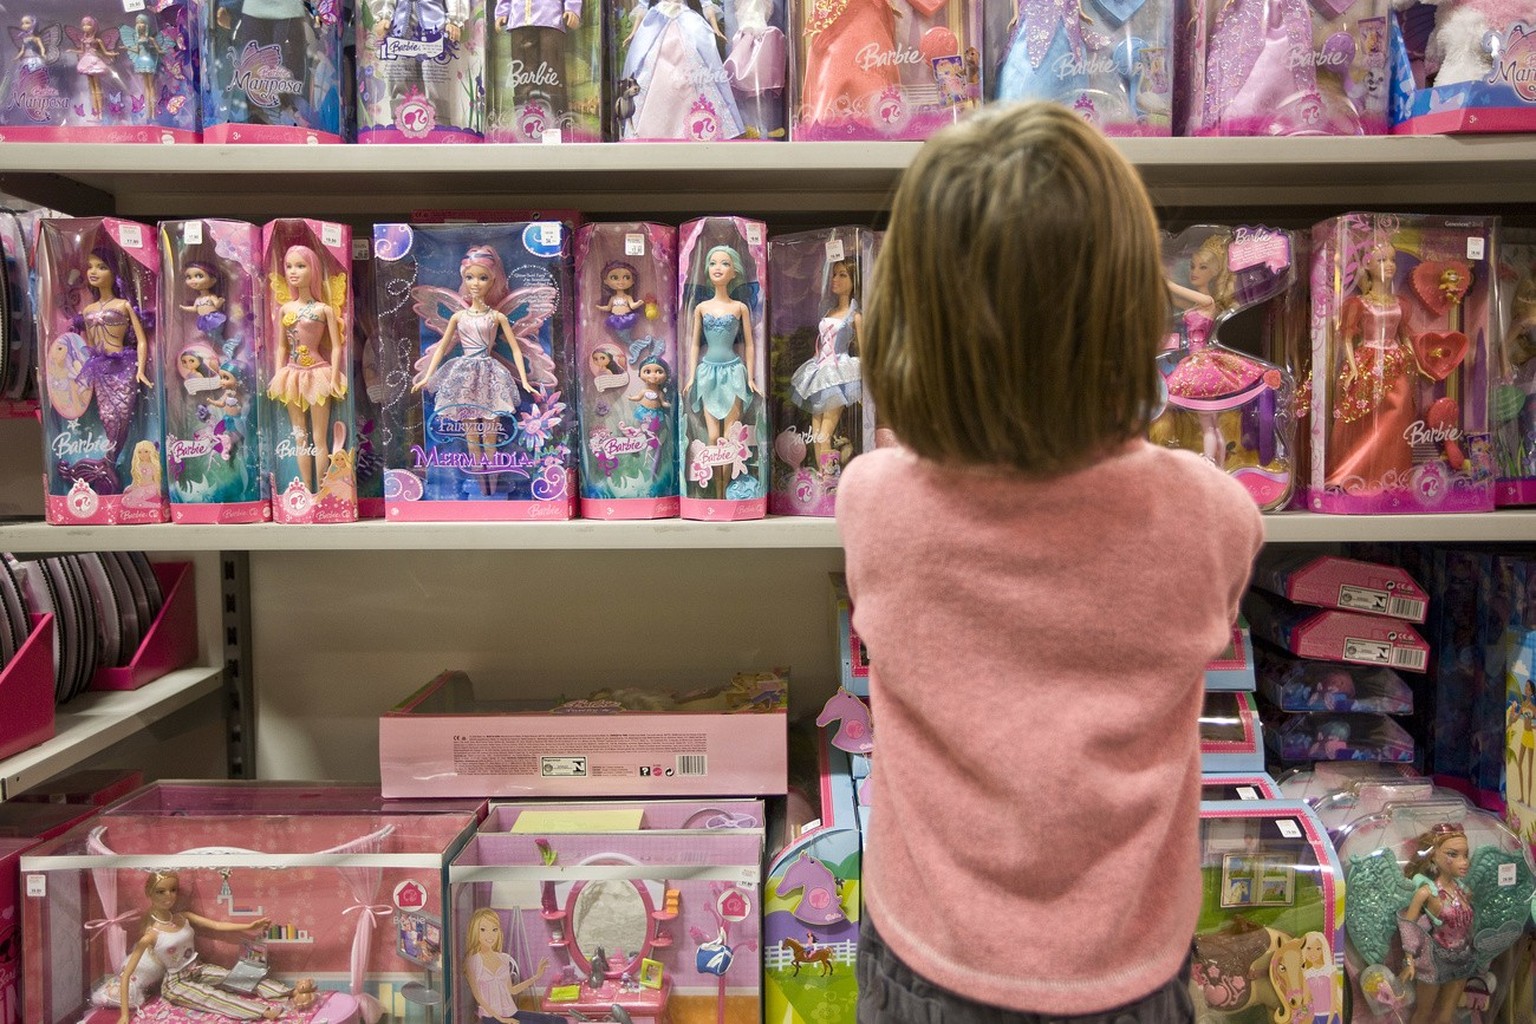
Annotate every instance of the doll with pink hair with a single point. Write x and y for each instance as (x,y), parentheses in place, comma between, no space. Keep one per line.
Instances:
(95,58)
(310,356)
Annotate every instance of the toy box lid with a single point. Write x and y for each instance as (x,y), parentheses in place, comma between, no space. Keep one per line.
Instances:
(565,817)
(454,693)
(179,797)
(1328,581)
(1333,635)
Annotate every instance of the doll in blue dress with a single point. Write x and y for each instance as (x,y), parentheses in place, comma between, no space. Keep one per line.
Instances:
(719,382)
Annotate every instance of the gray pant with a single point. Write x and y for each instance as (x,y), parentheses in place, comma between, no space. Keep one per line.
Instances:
(890,992)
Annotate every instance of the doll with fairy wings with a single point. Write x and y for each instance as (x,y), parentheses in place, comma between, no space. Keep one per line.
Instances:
(95,51)
(1446,907)
(38,48)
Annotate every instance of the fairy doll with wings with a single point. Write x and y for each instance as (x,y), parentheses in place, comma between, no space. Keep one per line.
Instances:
(38,48)
(95,51)
(477,387)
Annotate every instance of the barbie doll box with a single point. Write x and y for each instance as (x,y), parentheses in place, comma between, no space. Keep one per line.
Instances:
(271,71)
(1327,581)
(852,655)
(643,925)
(1232,669)
(1330,635)
(420,71)
(1464,67)
(323,915)
(452,738)
(1295,684)
(1513,387)
(1231,738)
(1238,786)
(10,927)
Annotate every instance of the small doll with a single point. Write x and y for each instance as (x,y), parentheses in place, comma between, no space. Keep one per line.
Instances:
(652,403)
(493,976)
(720,380)
(830,381)
(165,959)
(144,54)
(115,364)
(837,86)
(95,54)
(673,56)
(619,300)
(310,357)
(207,284)
(1332,742)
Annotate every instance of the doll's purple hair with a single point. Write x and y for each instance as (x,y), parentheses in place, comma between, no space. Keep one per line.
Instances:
(212,270)
(487,258)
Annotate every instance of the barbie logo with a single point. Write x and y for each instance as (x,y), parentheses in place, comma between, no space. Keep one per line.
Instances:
(872,56)
(1419,432)
(415,118)
(699,78)
(607,445)
(703,122)
(395,48)
(260,74)
(183,451)
(1066,67)
(1517,64)
(518,75)
(67,446)
(288,448)
(1318,58)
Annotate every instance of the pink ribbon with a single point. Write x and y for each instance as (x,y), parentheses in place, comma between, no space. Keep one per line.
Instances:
(106,922)
(362,942)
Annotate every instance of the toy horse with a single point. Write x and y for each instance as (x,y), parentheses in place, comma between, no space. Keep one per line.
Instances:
(819,902)
(854,732)
(1246,965)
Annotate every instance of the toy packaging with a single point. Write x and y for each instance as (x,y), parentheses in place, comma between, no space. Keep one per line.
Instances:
(1351,585)
(1284,67)
(98,286)
(544,72)
(420,70)
(1512,390)
(819,410)
(1232,669)
(1400,334)
(271,71)
(1313,783)
(453,738)
(1334,635)
(1463,66)
(723,303)
(1324,736)
(1270,927)
(100,71)
(477,318)
(1342,808)
(1233,408)
(326,917)
(1109,62)
(1293,684)
(609,922)
(1238,786)
(1231,737)
(887,69)
(1478,597)
(627,370)
(1479,875)
(853,656)
(18,346)
(368,376)
(310,443)
(699,72)
(10,927)
(213,317)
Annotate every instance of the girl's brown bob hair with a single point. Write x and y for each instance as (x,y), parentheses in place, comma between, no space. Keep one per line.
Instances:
(1018,301)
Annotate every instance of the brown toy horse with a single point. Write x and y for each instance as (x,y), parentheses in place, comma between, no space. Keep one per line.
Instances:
(1245,965)
(820,956)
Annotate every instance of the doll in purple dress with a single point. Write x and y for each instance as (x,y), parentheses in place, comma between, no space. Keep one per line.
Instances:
(673,56)
(115,364)
(830,381)
(1254,83)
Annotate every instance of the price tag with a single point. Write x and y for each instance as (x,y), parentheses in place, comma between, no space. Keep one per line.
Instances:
(1288,828)
(132,6)
(130,236)
(1476,248)
(551,137)
(1247,793)
(359,248)
(549,232)
(834,250)
(754,234)
(192,232)
(1507,876)
(37,886)
(330,234)
(634,244)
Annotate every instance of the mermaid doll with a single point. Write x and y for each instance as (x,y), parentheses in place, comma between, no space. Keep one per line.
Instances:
(673,56)
(310,359)
(830,381)
(207,282)
(115,364)
(619,300)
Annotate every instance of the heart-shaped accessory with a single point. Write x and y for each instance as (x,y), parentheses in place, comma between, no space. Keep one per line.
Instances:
(1441,284)
(1333,10)
(1118,12)
(1440,352)
(928,7)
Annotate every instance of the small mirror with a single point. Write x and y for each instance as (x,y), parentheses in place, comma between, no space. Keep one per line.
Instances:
(613,916)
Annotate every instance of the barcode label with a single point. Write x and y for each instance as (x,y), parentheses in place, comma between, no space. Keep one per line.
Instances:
(692,764)
(192,232)
(1410,659)
(1288,828)
(1367,652)
(1411,608)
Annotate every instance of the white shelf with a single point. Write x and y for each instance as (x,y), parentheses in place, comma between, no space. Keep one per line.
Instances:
(799,177)
(93,722)
(775,532)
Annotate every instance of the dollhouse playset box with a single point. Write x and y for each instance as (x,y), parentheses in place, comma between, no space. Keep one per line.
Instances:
(448,740)
(640,911)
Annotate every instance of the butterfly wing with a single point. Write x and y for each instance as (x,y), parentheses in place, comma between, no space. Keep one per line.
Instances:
(528,309)
(53,43)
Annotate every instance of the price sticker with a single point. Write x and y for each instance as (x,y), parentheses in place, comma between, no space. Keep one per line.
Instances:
(192,232)
(1247,793)
(360,248)
(634,244)
(1507,876)
(549,232)
(1476,248)
(330,234)
(755,234)
(130,236)
(834,250)
(1288,828)
(37,886)
(551,137)
(132,6)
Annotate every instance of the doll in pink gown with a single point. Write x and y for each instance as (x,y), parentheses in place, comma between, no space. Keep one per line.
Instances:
(1253,86)
(837,88)
(757,65)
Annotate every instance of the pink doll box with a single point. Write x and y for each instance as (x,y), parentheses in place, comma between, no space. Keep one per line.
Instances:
(178,797)
(210,337)
(308,425)
(1271,921)
(1232,669)
(627,370)
(815,326)
(1483,78)
(420,71)
(96,787)
(871,70)
(543,74)
(1512,397)
(353,900)
(41,821)
(1238,786)
(1284,68)
(722,341)
(101,71)
(445,740)
(1330,635)
(1231,738)
(548,817)
(97,288)
(852,655)
(682,913)
(272,76)
(1400,333)
(171,640)
(26,691)
(1325,778)
(1327,581)
(10,927)
(370,389)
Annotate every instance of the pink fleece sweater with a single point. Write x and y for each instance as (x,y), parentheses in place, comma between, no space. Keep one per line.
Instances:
(1036,650)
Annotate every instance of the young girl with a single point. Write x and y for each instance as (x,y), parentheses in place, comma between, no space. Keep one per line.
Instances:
(1039,589)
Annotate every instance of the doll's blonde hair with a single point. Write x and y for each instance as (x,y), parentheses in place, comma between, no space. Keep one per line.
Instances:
(472,939)
(1016,308)
(1223,286)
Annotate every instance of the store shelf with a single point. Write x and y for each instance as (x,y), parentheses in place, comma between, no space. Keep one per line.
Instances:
(93,722)
(775,532)
(800,177)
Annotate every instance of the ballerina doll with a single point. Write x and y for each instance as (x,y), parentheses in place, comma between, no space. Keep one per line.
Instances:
(1208,373)
(116,364)
(838,87)
(144,54)
(165,957)
(1436,927)
(475,388)
(311,360)
(207,284)
(619,300)
(673,56)
(719,379)
(492,975)
(830,381)
(94,61)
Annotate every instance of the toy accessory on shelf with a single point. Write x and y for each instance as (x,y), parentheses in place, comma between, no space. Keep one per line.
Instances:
(854,733)
(815,326)
(722,301)
(1294,684)
(271,71)
(1112,63)
(310,441)
(473,322)
(1324,736)
(102,419)
(1233,408)
(627,370)
(1400,333)
(1463,66)
(420,70)
(1513,387)
(1352,585)
(369,391)
(210,341)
